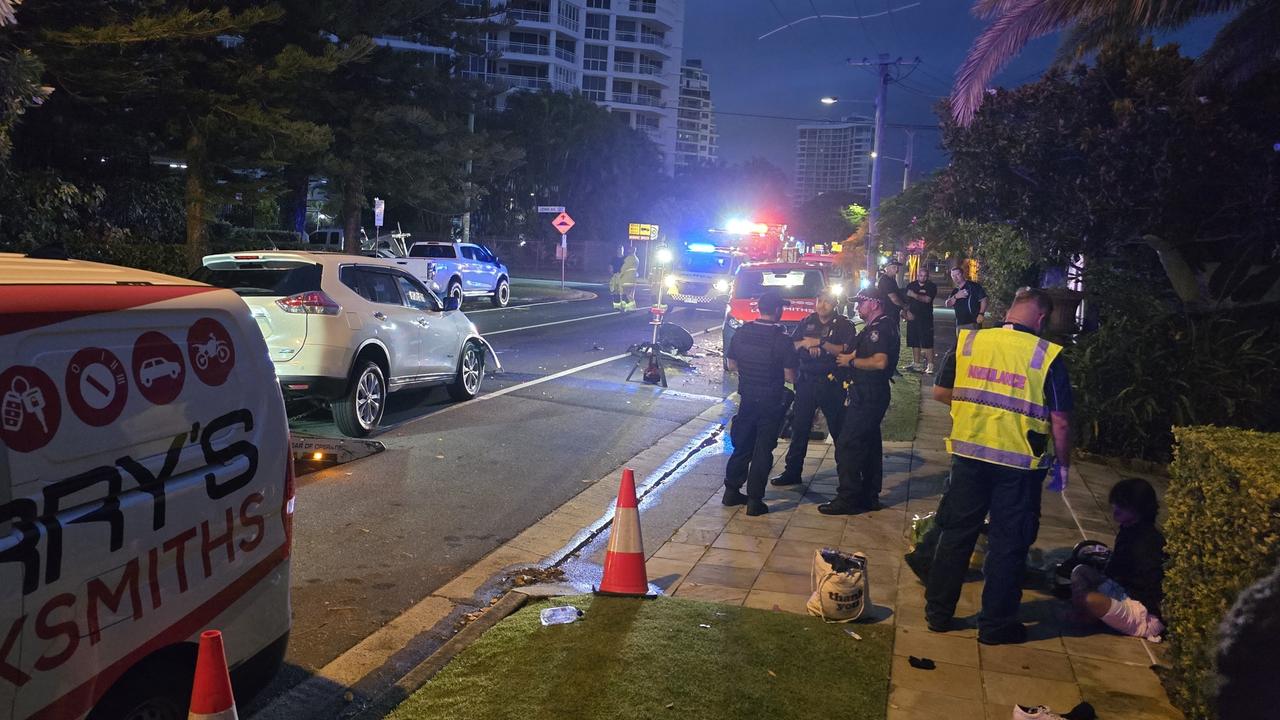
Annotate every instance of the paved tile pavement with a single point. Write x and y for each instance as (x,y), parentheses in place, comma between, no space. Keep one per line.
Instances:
(722,555)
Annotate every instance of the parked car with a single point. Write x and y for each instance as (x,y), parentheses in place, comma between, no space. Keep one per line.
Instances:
(461,270)
(118,449)
(800,284)
(349,329)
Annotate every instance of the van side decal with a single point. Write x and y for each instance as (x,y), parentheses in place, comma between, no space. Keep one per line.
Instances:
(28,307)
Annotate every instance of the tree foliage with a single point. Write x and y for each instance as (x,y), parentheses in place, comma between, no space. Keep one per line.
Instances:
(1098,158)
(829,217)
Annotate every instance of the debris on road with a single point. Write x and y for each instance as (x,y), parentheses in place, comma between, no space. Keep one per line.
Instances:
(535,576)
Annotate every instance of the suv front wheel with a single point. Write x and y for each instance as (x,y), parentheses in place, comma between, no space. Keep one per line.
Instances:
(470,372)
(358,412)
(502,293)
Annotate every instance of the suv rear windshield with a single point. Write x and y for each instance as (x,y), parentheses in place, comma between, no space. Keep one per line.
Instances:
(267,278)
(432,251)
(796,283)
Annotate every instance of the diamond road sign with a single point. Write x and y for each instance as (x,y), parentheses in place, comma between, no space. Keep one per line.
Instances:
(562,223)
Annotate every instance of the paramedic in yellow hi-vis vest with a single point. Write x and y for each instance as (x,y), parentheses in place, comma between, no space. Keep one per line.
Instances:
(1010,400)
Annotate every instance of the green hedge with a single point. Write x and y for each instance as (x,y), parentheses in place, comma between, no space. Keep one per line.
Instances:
(1223,535)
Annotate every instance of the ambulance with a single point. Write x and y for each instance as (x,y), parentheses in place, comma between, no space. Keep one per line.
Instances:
(799,284)
(146,491)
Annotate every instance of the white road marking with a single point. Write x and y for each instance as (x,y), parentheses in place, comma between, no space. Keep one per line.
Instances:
(525,306)
(549,324)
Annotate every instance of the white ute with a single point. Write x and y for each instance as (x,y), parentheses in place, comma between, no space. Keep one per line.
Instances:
(146,491)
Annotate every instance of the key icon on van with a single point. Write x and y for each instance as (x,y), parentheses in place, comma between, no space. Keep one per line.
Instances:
(20,401)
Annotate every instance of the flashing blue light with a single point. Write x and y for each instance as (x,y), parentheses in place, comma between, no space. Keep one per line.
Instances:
(701,247)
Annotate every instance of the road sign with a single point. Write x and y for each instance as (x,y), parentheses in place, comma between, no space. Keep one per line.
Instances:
(551,209)
(379,211)
(642,231)
(563,223)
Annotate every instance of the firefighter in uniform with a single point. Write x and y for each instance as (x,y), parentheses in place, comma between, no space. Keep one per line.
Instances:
(1010,396)
(820,385)
(764,358)
(859,456)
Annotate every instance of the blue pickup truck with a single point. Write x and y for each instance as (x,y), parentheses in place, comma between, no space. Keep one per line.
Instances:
(461,270)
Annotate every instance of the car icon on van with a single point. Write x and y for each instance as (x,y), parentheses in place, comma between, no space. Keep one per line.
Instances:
(155,368)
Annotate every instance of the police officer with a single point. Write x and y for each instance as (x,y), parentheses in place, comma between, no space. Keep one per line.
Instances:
(820,385)
(1010,395)
(764,357)
(872,358)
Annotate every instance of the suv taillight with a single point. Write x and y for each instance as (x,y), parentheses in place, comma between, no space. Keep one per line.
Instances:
(312,302)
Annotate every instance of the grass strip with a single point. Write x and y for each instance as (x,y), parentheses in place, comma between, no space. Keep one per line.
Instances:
(904,406)
(643,659)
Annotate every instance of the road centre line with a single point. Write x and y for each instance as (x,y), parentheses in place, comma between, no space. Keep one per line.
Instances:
(549,324)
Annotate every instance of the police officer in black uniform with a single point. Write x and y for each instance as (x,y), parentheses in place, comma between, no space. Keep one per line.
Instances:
(818,339)
(859,453)
(764,358)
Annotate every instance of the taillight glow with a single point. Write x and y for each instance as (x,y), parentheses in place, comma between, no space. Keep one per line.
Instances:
(312,302)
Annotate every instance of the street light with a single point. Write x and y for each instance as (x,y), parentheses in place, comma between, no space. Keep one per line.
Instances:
(830,100)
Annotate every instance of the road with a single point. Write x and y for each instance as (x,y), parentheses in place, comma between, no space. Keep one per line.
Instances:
(458,479)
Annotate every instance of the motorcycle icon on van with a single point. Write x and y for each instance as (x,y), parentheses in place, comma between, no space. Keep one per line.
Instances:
(156,368)
(213,347)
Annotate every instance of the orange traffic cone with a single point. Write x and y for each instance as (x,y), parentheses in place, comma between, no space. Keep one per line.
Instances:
(211,697)
(624,572)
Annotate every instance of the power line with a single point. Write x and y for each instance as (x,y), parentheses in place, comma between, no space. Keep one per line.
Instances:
(893,24)
(863,26)
(902,126)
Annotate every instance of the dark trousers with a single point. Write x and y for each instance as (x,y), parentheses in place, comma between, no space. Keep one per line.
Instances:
(754,434)
(812,394)
(1012,497)
(859,449)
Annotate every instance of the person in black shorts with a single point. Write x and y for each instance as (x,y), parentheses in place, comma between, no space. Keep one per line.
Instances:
(887,288)
(764,357)
(920,294)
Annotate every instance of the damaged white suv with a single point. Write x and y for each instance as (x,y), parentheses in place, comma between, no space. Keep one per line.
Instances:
(351,329)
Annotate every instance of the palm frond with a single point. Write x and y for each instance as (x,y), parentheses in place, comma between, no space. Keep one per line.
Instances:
(1089,35)
(987,9)
(1244,47)
(1024,21)
(7,9)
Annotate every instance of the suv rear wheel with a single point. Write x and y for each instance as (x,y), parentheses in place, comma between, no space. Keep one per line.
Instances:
(470,372)
(358,412)
(455,290)
(502,293)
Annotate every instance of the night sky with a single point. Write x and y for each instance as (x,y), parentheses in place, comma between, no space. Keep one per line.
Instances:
(787,73)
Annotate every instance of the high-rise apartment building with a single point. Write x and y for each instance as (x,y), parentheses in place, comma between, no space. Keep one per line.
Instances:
(623,54)
(833,156)
(696,138)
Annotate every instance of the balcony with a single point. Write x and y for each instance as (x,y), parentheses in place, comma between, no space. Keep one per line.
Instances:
(597,33)
(522,15)
(661,12)
(631,36)
(567,55)
(569,23)
(519,82)
(638,99)
(515,47)
(637,68)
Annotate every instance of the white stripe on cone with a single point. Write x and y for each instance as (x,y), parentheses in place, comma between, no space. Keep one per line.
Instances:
(228,714)
(625,536)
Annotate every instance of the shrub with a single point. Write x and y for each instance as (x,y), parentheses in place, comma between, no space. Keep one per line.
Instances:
(1223,533)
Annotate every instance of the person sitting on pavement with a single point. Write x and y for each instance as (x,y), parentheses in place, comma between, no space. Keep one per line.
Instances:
(1010,394)
(820,385)
(1126,595)
(765,359)
(969,300)
(873,358)
(920,295)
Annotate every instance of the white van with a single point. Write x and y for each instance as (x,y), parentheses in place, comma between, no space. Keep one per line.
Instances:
(146,491)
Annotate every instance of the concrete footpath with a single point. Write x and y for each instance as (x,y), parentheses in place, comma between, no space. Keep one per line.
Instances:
(722,555)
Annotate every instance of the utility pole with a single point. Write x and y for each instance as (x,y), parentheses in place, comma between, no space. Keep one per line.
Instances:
(906,163)
(466,199)
(884,67)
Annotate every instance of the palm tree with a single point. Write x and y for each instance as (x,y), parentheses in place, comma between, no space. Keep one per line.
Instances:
(1246,45)
(7,8)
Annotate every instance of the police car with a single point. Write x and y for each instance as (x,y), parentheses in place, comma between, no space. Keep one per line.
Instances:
(146,491)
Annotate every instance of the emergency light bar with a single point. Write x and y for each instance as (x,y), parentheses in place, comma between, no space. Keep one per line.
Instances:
(701,247)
